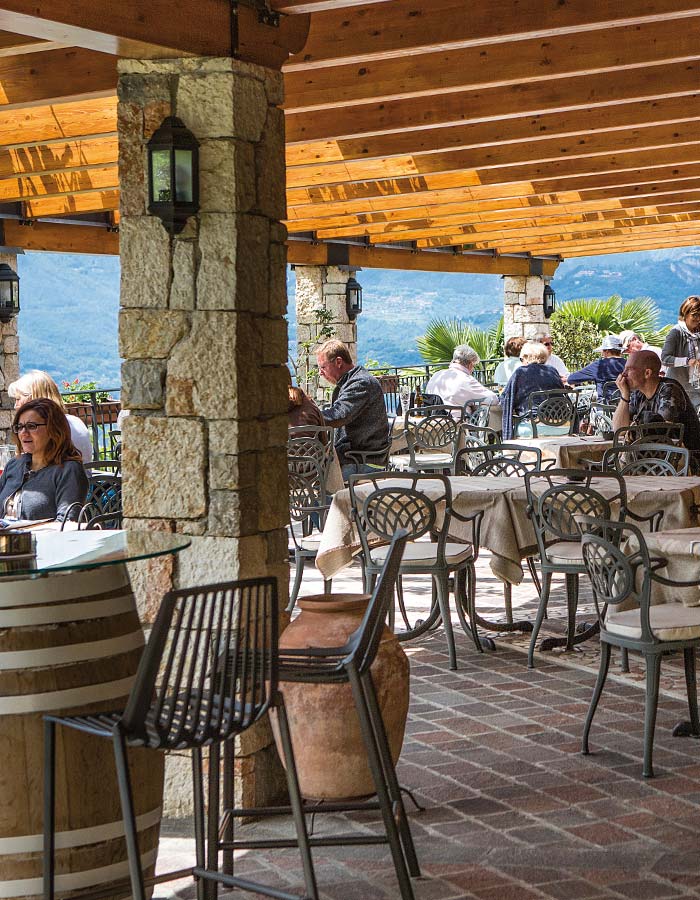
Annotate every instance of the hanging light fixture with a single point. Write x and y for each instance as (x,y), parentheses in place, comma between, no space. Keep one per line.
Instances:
(173,174)
(353,297)
(9,293)
(549,301)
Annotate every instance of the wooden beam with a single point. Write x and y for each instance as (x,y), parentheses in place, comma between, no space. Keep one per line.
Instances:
(61,238)
(14,190)
(13,44)
(548,150)
(57,75)
(157,29)
(484,104)
(70,204)
(64,157)
(649,240)
(529,129)
(405,27)
(498,64)
(628,246)
(62,121)
(302,253)
(292,7)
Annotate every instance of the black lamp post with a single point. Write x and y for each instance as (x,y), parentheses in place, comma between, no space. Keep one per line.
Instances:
(353,297)
(9,293)
(549,301)
(173,174)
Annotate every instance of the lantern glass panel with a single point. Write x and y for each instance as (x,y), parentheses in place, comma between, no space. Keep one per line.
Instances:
(160,173)
(6,294)
(183,176)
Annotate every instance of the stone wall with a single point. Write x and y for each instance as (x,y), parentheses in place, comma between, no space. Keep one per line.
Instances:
(523,315)
(204,341)
(9,362)
(321,287)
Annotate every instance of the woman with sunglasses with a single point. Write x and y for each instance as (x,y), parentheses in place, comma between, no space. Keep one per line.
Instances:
(46,477)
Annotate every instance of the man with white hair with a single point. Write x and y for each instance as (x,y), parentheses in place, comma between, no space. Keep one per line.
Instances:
(633,342)
(544,337)
(456,384)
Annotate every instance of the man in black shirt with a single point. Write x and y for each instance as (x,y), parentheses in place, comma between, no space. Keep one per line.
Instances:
(646,397)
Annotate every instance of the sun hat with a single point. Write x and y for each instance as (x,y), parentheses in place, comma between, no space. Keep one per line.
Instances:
(626,337)
(610,342)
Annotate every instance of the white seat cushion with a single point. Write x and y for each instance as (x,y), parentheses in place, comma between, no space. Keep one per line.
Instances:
(311,543)
(565,552)
(669,622)
(424,553)
(403,461)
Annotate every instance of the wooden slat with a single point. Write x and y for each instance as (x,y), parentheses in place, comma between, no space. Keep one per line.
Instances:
(57,75)
(484,104)
(12,190)
(90,201)
(632,246)
(499,64)
(647,239)
(42,124)
(511,131)
(302,253)
(62,157)
(292,7)
(408,27)
(13,44)
(61,238)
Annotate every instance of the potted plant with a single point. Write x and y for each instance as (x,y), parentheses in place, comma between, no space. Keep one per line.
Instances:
(84,400)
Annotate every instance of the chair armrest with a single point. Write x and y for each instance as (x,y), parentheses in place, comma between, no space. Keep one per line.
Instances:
(654,519)
(592,465)
(548,464)
(671,582)
(475,520)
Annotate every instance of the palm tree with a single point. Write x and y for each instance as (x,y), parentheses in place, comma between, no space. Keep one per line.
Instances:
(614,315)
(443,335)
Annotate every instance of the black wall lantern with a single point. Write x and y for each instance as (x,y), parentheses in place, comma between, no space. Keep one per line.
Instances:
(549,301)
(353,297)
(9,293)
(173,174)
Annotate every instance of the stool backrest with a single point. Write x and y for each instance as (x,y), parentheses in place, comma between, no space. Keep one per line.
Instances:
(210,667)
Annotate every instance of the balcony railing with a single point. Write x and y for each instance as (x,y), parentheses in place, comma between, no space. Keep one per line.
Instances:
(393,378)
(100,416)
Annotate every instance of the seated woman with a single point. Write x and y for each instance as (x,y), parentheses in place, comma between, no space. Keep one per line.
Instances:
(301,409)
(36,384)
(511,362)
(533,375)
(46,477)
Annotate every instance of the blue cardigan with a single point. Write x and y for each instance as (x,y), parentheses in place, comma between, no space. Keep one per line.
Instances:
(523,382)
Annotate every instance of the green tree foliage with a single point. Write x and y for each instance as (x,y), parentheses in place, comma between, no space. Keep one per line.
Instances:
(614,315)
(575,340)
(443,335)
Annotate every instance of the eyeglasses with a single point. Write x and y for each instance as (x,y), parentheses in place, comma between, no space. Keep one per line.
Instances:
(27,426)
(547,343)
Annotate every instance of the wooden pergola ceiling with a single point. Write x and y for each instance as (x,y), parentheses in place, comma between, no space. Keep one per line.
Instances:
(445,134)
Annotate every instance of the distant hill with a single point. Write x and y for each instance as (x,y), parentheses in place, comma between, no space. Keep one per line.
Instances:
(68,322)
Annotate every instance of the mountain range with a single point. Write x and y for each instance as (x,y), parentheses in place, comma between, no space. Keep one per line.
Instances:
(70,302)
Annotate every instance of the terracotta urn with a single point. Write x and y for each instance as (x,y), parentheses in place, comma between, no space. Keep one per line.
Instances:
(328,747)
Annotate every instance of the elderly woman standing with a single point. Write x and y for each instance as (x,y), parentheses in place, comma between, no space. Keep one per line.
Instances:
(47,478)
(681,350)
(36,384)
(534,375)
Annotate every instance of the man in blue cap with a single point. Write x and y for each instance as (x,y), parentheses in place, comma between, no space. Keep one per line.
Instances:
(606,369)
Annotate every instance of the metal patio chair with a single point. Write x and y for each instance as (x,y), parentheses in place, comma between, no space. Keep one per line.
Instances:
(548,412)
(308,507)
(617,561)
(647,459)
(649,433)
(208,673)
(349,664)
(432,436)
(556,499)
(497,459)
(385,502)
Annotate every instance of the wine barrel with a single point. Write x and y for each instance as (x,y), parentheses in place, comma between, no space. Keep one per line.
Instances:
(69,643)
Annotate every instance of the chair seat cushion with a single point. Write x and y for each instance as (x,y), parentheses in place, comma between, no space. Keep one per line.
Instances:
(310,543)
(400,460)
(669,622)
(424,553)
(565,552)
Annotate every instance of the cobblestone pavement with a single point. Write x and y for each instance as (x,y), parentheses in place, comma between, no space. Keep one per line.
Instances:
(512,808)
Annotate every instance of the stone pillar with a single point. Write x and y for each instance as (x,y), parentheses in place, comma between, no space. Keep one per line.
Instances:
(204,341)
(320,302)
(9,362)
(523,315)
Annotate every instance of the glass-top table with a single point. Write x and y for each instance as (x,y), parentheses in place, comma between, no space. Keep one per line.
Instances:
(75,551)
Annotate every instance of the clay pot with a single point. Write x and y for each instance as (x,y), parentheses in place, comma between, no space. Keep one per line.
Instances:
(328,747)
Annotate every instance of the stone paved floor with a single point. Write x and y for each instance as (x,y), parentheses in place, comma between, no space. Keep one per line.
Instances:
(512,808)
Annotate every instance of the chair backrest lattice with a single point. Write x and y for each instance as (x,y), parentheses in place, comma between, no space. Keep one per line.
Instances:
(501,466)
(471,455)
(434,432)
(209,670)
(306,487)
(480,412)
(647,459)
(559,506)
(551,408)
(649,433)
(482,433)
(496,459)
(388,509)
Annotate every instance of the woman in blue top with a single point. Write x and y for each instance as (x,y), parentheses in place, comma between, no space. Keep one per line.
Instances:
(46,478)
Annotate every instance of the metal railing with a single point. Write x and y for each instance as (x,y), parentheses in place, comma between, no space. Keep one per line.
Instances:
(100,416)
(393,378)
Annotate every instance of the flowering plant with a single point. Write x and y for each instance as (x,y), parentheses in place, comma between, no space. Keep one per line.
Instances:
(77,391)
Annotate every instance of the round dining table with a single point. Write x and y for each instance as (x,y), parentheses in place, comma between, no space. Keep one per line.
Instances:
(70,641)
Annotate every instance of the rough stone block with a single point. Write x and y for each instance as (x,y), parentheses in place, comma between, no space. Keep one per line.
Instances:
(278,300)
(334,275)
(143,381)
(154,113)
(529,314)
(250,109)
(514,284)
(217,176)
(182,288)
(233,471)
(270,167)
(217,278)
(206,360)
(274,341)
(244,176)
(233,512)
(274,87)
(164,466)
(150,578)
(10,344)
(252,264)
(145,253)
(209,559)
(206,104)
(150,333)
(273,487)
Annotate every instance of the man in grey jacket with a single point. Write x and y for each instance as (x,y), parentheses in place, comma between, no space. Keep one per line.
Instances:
(357,410)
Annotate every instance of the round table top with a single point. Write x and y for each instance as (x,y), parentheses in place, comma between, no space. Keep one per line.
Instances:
(75,551)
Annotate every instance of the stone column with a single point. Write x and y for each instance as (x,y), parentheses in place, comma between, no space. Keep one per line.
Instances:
(204,341)
(319,290)
(523,315)
(9,361)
